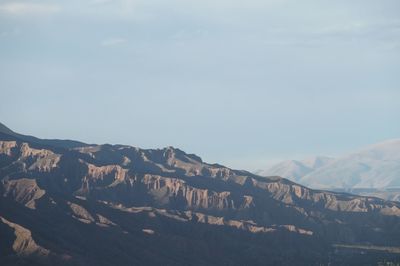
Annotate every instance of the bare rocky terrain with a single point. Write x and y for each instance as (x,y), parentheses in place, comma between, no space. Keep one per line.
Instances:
(70,203)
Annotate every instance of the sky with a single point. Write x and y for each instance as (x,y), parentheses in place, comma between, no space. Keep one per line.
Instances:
(242,83)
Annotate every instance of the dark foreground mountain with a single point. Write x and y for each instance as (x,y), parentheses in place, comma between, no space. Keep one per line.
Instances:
(69,203)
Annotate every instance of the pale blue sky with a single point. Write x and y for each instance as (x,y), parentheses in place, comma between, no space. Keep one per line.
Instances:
(244,83)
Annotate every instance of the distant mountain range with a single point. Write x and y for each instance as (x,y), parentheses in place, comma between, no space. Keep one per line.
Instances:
(374,169)
(296,169)
(64,202)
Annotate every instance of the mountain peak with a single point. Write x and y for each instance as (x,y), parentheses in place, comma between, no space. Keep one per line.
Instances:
(172,152)
(296,169)
(118,194)
(68,144)
(376,166)
(4,129)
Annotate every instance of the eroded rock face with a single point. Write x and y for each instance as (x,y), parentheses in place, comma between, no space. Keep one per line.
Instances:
(6,147)
(42,160)
(171,178)
(81,213)
(191,197)
(290,194)
(98,177)
(31,159)
(24,191)
(24,244)
(116,190)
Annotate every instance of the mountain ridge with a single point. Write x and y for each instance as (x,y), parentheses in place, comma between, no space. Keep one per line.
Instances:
(296,169)
(60,143)
(376,166)
(165,206)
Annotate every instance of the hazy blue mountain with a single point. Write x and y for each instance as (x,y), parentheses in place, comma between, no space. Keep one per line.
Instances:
(372,171)
(376,166)
(296,169)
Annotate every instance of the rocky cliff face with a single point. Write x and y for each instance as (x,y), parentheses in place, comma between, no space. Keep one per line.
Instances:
(163,206)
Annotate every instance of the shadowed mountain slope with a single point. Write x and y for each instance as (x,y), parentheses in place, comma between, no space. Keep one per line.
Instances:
(50,142)
(79,204)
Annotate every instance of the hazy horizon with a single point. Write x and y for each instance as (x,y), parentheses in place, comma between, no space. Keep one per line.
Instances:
(243,84)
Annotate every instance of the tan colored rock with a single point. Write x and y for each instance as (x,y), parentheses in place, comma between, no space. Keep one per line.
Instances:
(24,244)
(115,172)
(7,146)
(24,190)
(81,213)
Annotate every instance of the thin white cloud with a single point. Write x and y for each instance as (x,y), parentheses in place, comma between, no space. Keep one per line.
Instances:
(100,2)
(113,42)
(22,8)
